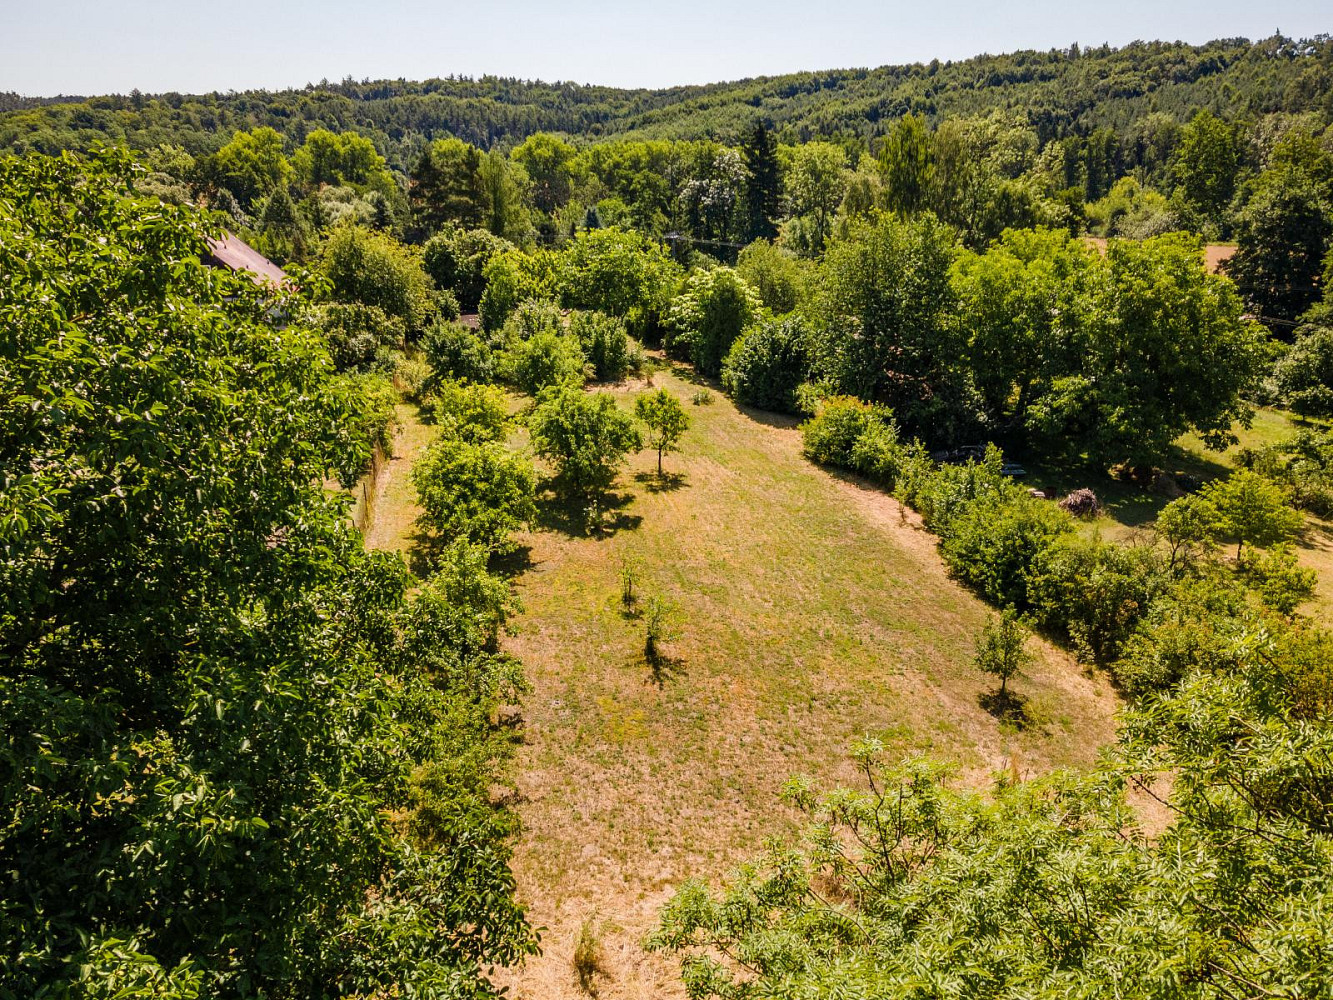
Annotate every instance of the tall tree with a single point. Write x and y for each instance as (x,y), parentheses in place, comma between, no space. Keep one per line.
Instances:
(763,187)
(906,162)
(447,186)
(1205,164)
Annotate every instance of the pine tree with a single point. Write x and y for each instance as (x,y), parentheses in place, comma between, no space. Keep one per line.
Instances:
(764,187)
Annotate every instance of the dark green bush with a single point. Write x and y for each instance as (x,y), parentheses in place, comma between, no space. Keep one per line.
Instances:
(604,342)
(767,364)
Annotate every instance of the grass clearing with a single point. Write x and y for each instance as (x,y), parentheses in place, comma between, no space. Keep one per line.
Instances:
(810,610)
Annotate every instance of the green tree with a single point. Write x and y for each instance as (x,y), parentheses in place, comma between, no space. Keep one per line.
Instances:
(1206,163)
(334,159)
(616,272)
(814,180)
(763,185)
(1282,237)
(477,491)
(905,161)
(456,259)
(446,186)
(550,163)
(778,276)
(251,165)
(584,436)
(373,268)
(211,781)
(1002,648)
(708,316)
(890,278)
(1168,350)
(506,208)
(1186,525)
(1251,509)
(665,419)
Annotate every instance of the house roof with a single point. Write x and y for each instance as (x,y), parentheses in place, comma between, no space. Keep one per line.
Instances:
(235,253)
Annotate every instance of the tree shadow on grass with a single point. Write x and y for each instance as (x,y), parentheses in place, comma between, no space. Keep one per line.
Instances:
(667,482)
(572,517)
(663,667)
(427,552)
(1007,707)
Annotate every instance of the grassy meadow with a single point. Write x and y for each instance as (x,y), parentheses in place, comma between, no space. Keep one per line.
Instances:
(810,611)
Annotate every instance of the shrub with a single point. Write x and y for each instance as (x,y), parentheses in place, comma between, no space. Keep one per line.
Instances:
(477,492)
(1094,593)
(371,400)
(659,627)
(940,494)
(994,542)
(831,435)
(356,332)
(474,413)
(1279,580)
(604,342)
(547,359)
(455,352)
(767,364)
(584,436)
(708,316)
(412,377)
(531,317)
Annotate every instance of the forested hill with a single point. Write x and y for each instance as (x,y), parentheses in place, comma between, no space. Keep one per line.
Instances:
(1059,92)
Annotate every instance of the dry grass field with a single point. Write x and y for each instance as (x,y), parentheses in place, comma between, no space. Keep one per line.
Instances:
(811,611)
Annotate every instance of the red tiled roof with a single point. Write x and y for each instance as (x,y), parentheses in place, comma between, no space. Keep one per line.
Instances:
(240,256)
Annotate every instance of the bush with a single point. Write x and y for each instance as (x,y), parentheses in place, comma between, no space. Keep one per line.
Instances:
(372,402)
(584,436)
(356,333)
(943,493)
(412,377)
(604,342)
(995,541)
(474,491)
(767,364)
(548,359)
(474,413)
(455,352)
(1094,593)
(831,435)
(531,317)
(708,316)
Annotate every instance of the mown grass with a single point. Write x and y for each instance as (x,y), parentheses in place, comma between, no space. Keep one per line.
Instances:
(810,612)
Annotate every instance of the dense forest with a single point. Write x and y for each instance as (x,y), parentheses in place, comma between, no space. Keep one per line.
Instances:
(249,753)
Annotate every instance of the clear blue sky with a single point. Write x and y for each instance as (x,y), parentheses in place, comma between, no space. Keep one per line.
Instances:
(104,46)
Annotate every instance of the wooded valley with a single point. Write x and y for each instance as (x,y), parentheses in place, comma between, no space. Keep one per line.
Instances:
(849,534)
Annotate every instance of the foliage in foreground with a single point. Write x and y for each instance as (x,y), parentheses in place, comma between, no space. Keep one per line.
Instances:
(905,887)
(239,759)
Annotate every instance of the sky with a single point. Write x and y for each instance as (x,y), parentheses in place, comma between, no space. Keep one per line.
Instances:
(53,47)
